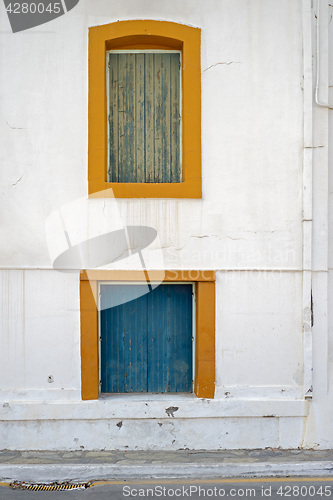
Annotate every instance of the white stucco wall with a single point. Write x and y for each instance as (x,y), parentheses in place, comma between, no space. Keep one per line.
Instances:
(257,117)
(252,134)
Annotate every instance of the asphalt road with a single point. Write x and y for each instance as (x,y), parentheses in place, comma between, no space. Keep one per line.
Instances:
(274,488)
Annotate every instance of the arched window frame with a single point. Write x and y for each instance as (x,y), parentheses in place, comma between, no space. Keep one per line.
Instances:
(145,34)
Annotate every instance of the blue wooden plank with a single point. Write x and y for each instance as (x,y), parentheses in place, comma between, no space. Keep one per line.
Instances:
(170,339)
(181,376)
(124,341)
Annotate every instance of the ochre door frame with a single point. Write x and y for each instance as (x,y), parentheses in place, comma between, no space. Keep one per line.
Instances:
(204,381)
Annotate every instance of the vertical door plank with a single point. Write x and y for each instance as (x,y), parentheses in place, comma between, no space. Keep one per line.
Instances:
(181,375)
(135,344)
(126,111)
(170,339)
(157,344)
(112,345)
(162,117)
(140,116)
(113,118)
(149,117)
(175,159)
(124,341)
(158,117)
(166,126)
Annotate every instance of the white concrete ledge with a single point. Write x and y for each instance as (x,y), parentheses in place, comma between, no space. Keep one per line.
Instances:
(122,408)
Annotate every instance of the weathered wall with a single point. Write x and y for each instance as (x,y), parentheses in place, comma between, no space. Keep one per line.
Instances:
(256,118)
(252,134)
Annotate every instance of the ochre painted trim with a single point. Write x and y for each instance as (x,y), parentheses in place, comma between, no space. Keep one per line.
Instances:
(170,275)
(204,382)
(89,340)
(142,34)
(144,41)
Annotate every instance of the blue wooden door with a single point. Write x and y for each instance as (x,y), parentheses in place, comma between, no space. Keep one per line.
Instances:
(146,343)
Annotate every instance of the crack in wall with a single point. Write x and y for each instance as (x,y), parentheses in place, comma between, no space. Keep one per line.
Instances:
(15,128)
(226,63)
(18,180)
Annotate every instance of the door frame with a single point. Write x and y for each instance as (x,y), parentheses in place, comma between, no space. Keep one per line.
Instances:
(204,361)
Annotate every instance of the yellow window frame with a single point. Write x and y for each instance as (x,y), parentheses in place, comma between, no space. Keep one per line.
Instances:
(145,34)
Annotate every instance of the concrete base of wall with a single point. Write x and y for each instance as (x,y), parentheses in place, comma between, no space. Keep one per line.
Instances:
(153,434)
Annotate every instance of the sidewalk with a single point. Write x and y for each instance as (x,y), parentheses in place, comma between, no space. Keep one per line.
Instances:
(45,466)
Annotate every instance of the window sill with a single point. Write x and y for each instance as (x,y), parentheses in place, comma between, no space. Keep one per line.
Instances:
(144,396)
(190,188)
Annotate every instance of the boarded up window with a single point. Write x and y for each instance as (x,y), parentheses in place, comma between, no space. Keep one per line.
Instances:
(146,343)
(144,116)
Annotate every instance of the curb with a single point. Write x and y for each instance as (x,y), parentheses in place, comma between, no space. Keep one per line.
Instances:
(89,472)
